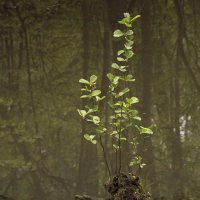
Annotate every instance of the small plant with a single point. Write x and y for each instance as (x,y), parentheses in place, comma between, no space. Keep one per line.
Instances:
(122,105)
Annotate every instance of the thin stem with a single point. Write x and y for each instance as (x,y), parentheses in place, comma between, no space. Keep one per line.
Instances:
(116,161)
(101,142)
(116,153)
(120,152)
(104,155)
(119,143)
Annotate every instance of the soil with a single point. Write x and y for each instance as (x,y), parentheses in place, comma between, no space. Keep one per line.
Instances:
(122,187)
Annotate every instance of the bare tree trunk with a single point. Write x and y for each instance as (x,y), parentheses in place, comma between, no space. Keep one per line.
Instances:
(20,59)
(147,65)
(38,191)
(87,180)
(104,80)
(28,64)
(106,50)
(8,62)
(177,165)
(1,53)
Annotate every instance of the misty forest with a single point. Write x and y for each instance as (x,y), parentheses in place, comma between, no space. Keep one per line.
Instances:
(99,99)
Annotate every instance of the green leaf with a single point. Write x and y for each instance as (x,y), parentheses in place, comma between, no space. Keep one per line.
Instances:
(120,59)
(116,80)
(123,21)
(84,96)
(129,42)
(118,33)
(93,141)
(126,20)
(84,81)
(128,46)
(144,130)
(116,147)
(85,89)
(100,98)
(134,18)
(129,32)
(96,120)
(92,109)
(115,66)
(128,25)
(129,54)
(113,133)
(93,78)
(110,76)
(82,113)
(142,165)
(123,139)
(129,77)
(134,113)
(137,118)
(127,15)
(100,130)
(120,68)
(120,52)
(96,92)
(124,91)
(119,103)
(90,138)
(111,104)
(132,100)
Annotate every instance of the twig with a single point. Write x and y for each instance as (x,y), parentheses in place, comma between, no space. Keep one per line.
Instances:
(119,142)
(104,155)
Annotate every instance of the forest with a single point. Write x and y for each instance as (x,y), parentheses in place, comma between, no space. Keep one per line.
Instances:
(49,49)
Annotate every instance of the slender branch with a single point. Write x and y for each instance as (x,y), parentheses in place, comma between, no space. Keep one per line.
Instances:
(119,143)
(104,155)
(116,154)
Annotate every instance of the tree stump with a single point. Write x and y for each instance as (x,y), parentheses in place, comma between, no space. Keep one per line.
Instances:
(126,188)
(122,187)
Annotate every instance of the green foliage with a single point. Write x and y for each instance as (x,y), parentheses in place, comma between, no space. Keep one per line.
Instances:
(90,138)
(124,115)
(137,162)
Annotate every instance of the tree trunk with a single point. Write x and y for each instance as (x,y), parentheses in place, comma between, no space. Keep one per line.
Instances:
(104,81)
(146,65)
(38,190)
(177,165)
(87,180)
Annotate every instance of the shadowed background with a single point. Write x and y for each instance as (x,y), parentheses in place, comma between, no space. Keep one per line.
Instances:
(47,46)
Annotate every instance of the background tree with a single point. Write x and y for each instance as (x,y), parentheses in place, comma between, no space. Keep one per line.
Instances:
(41,60)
